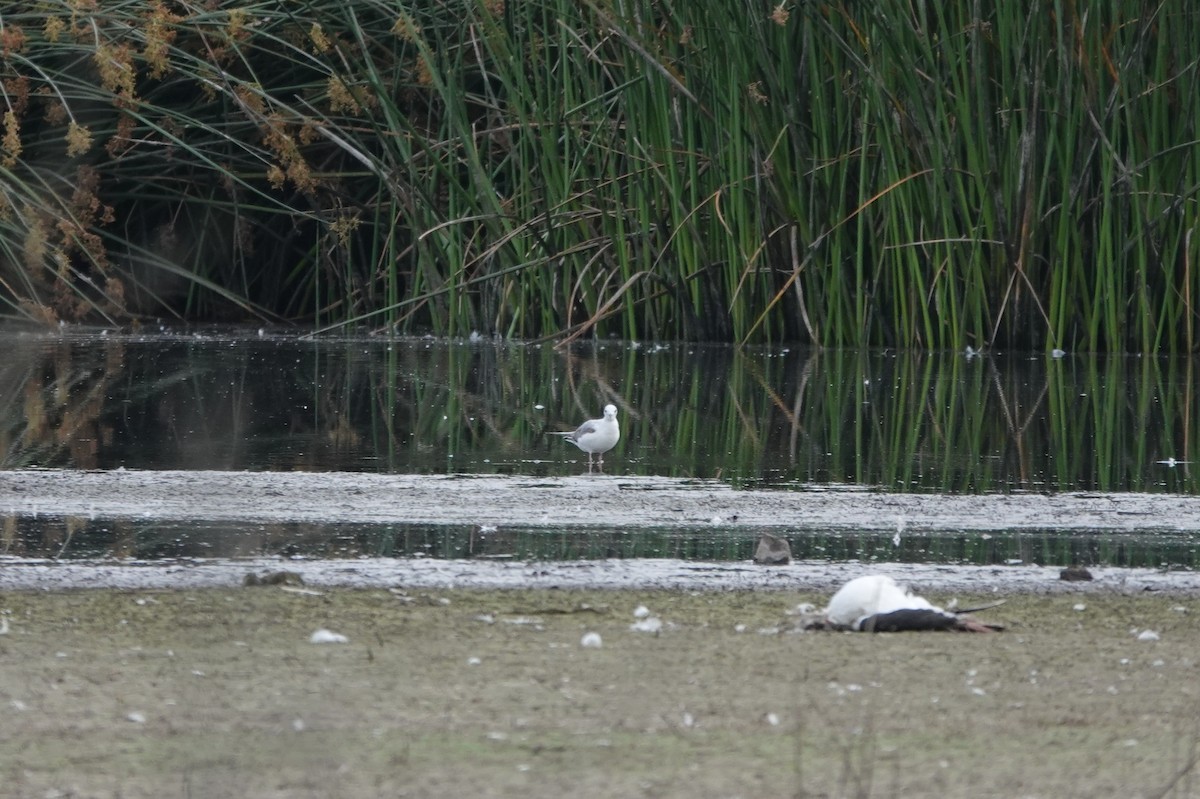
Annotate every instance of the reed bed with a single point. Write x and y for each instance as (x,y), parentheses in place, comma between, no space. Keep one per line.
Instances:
(930,175)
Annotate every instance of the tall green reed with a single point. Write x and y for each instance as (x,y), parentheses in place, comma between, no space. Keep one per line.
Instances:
(924,175)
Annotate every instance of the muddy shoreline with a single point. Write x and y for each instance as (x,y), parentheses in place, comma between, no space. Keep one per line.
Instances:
(563,502)
(20,574)
(471,677)
(590,501)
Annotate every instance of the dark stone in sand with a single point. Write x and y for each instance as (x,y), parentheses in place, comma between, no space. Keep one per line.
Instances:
(1074,574)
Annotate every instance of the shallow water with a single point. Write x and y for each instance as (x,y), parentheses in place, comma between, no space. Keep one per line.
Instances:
(181,540)
(760,417)
(782,418)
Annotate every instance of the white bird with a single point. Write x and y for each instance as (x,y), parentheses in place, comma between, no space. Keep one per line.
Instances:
(596,436)
(876,603)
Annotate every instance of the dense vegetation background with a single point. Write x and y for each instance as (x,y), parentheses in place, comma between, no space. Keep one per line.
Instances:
(900,172)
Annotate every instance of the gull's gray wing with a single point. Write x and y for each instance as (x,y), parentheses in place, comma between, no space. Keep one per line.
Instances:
(584,429)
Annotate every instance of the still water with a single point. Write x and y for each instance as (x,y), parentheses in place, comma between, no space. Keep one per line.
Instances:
(765,418)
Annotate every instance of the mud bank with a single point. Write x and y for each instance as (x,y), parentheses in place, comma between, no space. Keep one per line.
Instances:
(586,500)
(591,501)
(18,574)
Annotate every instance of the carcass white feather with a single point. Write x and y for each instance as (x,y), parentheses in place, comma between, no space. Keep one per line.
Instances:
(868,596)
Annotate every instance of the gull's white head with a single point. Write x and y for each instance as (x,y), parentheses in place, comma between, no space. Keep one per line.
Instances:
(610,411)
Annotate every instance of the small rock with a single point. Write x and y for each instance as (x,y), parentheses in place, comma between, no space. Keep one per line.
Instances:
(1147,635)
(772,551)
(1075,574)
(273,578)
(591,641)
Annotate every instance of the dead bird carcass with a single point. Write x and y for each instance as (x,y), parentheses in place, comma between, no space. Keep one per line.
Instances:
(876,603)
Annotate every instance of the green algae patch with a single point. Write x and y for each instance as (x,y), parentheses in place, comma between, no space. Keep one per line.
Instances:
(221,692)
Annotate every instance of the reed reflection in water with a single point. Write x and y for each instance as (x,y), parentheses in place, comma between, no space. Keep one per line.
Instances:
(756,417)
(76,538)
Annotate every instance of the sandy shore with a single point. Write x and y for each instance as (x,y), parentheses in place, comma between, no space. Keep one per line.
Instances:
(215,693)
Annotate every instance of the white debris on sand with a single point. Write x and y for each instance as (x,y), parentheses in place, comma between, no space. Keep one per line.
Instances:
(650,624)
(645,622)
(323,636)
(1148,635)
(591,641)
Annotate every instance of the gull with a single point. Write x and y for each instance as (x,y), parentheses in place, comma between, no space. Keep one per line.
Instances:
(596,436)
